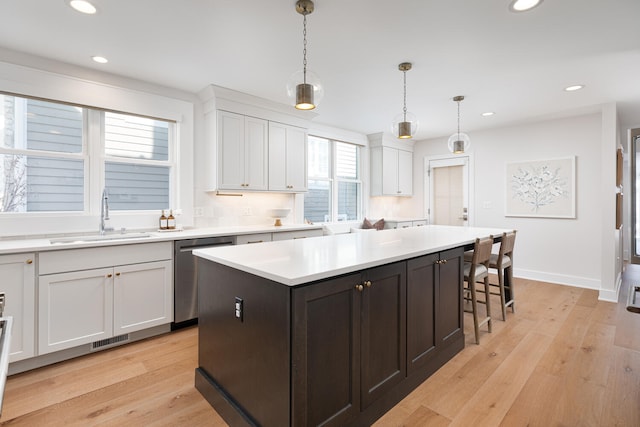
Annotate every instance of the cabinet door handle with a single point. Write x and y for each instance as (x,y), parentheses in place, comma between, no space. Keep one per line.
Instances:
(109,275)
(29,261)
(359,287)
(117,274)
(367,283)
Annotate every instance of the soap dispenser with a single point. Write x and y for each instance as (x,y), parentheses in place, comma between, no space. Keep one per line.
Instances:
(171,221)
(163,221)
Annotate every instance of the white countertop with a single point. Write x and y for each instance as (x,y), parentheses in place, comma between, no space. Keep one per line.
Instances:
(44,243)
(295,262)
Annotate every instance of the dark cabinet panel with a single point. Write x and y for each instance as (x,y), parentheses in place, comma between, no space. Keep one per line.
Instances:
(326,352)
(449,314)
(421,317)
(383,349)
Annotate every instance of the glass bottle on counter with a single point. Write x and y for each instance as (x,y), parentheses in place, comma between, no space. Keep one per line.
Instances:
(163,224)
(171,221)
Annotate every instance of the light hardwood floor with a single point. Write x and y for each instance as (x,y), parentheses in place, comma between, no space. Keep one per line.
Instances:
(563,359)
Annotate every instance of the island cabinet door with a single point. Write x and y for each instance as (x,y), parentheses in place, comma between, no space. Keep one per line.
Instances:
(449,307)
(383,332)
(326,352)
(421,319)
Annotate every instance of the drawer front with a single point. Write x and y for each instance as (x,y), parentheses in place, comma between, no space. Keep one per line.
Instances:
(299,234)
(244,239)
(106,256)
(420,223)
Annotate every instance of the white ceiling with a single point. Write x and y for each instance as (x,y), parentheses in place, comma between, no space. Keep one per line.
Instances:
(513,64)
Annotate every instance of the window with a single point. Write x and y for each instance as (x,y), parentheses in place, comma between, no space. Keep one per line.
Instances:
(46,152)
(335,189)
(137,168)
(42,156)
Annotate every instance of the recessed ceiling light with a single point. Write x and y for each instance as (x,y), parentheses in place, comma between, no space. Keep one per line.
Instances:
(573,88)
(100,59)
(523,5)
(487,114)
(83,6)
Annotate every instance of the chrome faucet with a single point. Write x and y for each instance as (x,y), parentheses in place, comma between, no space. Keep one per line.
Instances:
(104,212)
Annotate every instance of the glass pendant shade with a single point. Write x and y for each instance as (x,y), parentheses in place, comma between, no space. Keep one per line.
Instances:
(306,96)
(405,125)
(459,143)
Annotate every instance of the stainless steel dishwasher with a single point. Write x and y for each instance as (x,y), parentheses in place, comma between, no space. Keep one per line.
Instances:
(185,277)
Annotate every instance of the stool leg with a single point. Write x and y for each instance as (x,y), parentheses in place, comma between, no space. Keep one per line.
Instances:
(503,301)
(487,300)
(509,279)
(474,309)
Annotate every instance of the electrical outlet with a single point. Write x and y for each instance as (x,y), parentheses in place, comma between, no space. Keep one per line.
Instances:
(246,211)
(198,211)
(239,308)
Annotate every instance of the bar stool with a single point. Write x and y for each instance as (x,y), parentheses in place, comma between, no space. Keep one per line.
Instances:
(477,271)
(503,263)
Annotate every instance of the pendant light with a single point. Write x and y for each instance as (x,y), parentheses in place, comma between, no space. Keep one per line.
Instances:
(405,124)
(458,142)
(304,87)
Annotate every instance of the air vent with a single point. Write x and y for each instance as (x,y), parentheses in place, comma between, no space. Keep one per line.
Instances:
(109,342)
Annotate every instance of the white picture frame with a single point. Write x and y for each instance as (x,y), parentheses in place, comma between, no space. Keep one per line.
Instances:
(541,188)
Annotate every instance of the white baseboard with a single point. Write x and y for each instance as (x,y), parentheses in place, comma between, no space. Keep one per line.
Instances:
(561,279)
(610,295)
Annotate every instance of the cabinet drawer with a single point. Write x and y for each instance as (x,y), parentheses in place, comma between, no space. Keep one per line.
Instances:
(398,224)
(244,239)
(420,223)
(299,234)
(107,256)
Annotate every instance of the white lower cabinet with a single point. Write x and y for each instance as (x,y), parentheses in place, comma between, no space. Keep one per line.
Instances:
(141,296)
(75,308)
(18,284)
(85,306)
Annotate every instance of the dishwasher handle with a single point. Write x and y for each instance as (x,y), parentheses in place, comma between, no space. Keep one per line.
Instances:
(190,249)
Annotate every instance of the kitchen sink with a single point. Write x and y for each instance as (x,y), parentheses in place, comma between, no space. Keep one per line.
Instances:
(98,238)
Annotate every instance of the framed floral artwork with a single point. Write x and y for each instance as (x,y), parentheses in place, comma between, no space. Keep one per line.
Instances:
(541,188)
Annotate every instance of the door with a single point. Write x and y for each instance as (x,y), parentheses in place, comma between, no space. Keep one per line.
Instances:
(421,316)
(447,190)
(142,296)
(635,197)
(18,284)
(326,354)
(383,331)
(74,308)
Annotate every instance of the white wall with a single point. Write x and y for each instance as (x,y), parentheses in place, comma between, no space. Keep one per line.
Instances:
(567,251)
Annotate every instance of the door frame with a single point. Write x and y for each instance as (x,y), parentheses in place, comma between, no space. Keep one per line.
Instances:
(465,160)
(634,146)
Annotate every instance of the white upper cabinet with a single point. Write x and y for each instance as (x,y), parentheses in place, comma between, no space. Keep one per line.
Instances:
(391,167)
(242,152)
(287,158)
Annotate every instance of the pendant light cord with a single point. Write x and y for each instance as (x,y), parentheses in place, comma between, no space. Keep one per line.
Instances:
(304,49)
(404,109)
(458,119)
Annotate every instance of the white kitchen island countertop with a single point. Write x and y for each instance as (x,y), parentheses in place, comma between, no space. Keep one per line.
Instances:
(295,262)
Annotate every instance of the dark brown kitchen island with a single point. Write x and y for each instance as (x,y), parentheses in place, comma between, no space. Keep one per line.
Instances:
(338,341)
